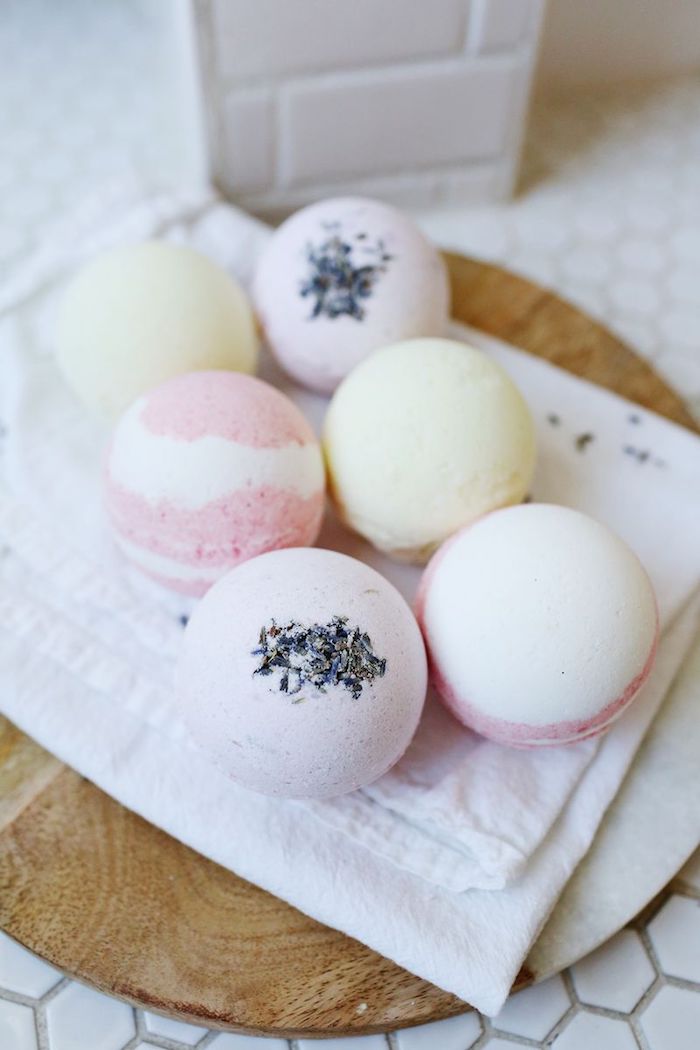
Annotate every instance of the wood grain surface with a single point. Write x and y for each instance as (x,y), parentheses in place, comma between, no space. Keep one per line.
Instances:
(111,900)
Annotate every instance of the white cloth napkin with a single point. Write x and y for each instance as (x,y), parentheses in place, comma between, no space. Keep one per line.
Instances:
(449,864)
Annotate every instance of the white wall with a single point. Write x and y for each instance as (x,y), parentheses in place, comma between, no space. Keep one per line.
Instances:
(413,101)
(588,42)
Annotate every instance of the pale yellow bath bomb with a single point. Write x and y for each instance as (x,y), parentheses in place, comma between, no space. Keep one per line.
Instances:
(422,438)
(137,316)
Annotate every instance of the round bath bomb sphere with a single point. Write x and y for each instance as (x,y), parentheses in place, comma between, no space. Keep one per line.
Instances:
(209,469)
(541,625)
(303,674)
(342,278)
(422,438)
(136,316)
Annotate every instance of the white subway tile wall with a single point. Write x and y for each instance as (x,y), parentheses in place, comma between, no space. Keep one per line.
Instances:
(359,124)
(500,25)
(306,98)
(248,137)
(269,38)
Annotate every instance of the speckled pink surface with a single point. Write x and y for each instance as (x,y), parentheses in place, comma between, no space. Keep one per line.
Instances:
(208,470)
(221,534)
(230,405)
(319,742)
(409,297)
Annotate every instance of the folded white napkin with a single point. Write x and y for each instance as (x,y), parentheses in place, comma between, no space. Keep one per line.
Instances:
(410,865)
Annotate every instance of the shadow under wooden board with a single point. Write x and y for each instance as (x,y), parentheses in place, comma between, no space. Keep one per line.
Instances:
(115,902)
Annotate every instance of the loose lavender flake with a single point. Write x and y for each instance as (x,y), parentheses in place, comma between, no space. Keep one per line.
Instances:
(583,440)
(322,655)
(640,454)
(341,274)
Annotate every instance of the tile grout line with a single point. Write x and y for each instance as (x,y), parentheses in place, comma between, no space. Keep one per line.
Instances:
(513,1037)
(19,997)
(40,1014)
(207,1039)
(562,1024)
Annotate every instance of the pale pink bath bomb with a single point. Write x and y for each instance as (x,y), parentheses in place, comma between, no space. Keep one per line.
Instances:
(207,470)
(541,625)
(303,674)
(340,279)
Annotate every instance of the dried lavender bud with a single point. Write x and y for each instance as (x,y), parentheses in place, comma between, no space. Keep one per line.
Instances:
(338,279)
(321,655)
(640,454)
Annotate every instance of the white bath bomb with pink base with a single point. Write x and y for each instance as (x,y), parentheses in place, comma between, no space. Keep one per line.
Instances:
(541,625)
(207,470)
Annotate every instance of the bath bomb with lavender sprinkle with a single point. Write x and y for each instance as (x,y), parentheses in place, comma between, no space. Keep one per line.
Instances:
(422,438)
(135,316)
(540,623)
(303,674)
(207,470)
(341,278)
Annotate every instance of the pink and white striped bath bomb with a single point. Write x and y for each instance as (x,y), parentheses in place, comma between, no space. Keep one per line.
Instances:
(541,625)
(208,470)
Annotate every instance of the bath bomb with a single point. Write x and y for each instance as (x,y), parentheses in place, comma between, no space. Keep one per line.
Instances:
(541,625)
(136,316)
(209,469)
(422,438)
(303,674)
(341,278)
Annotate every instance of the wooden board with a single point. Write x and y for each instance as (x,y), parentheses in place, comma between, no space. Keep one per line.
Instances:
(111,900)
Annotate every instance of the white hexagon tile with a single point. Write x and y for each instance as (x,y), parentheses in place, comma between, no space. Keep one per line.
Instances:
(188,1034)
(617,975)
(78,1016)
(588,1031)
(672,1020)
(609,216)
(458,1033)
(535,1012)
(17,1026)
(675,936)
(22,972)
